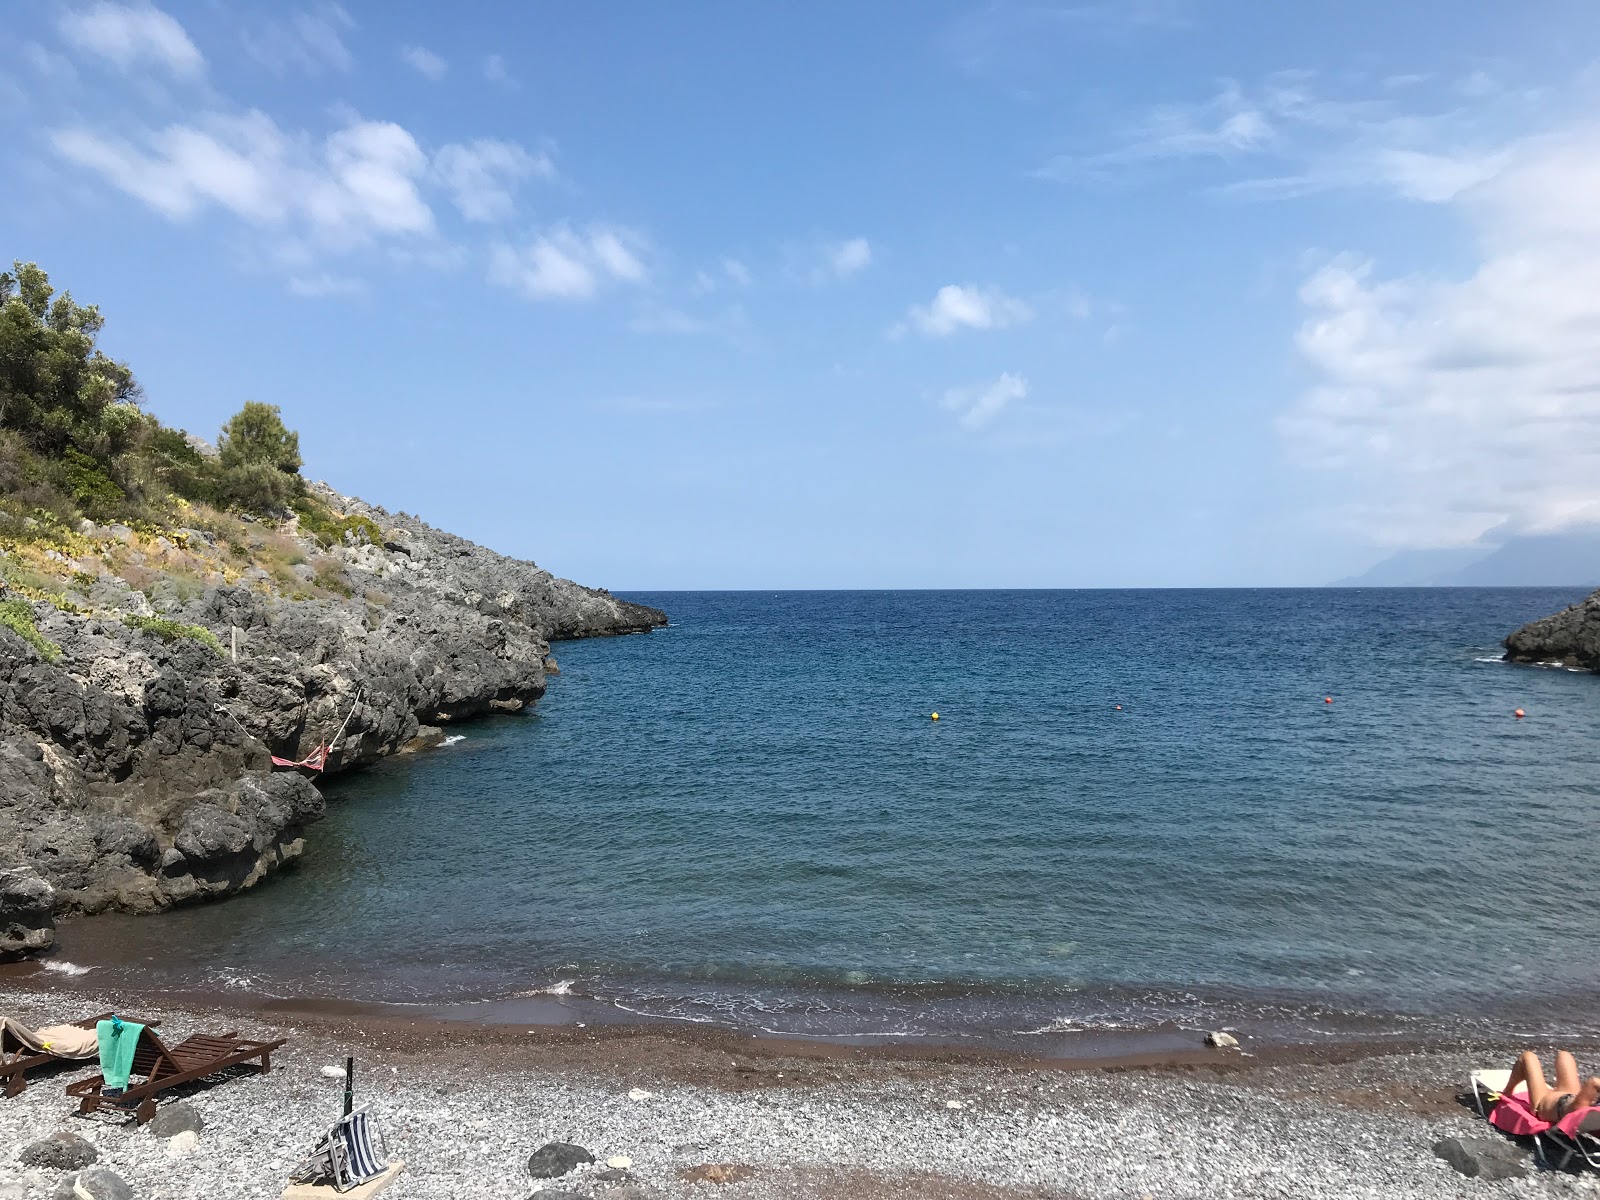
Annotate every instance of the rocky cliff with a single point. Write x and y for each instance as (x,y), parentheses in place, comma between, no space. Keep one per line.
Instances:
(1571,637)
(139,713)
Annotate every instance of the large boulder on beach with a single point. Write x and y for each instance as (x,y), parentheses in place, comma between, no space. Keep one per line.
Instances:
(61,1151)
(97,1183)
(1484,1158)
(177,1117)
(27,906)
(556,1158)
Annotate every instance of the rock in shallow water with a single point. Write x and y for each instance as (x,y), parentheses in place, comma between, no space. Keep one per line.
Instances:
(556,1158)
(27,902)
(59,1152)
(1484,1158)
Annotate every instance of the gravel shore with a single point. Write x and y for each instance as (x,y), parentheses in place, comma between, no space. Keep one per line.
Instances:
(466,1106)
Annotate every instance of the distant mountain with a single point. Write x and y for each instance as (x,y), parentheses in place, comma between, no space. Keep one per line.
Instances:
(1548,560)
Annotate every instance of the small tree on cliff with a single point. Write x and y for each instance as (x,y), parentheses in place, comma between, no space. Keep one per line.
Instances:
(260,458)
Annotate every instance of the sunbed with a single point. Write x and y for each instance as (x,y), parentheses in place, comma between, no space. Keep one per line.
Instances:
(22,1049)
(1576,1135)
(164,1067)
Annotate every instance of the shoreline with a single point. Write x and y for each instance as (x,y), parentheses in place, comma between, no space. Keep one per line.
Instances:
(465,1104)
(555,1020)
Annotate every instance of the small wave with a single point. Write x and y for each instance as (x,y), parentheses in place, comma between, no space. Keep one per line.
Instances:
(562,987)
(1490,658)
(453,739)
(62,967)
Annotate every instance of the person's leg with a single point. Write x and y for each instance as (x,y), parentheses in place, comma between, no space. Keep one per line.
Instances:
(1567,1073)
(1585,1092)
(1527,1069)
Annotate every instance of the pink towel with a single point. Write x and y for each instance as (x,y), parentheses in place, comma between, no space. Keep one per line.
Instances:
(1514,1115)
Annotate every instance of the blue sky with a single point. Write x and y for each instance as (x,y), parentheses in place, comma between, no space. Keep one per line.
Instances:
(1160,292)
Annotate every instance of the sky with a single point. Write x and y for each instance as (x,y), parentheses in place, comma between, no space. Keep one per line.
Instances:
(1105,293)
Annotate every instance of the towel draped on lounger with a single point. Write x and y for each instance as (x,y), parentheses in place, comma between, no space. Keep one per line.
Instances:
(64,1041)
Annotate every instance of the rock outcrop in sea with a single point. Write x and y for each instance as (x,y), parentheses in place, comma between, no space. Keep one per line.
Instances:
(1570,637)
(135,768)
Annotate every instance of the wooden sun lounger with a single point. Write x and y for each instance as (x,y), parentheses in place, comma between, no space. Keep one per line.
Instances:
(16,1060)
(164,1067)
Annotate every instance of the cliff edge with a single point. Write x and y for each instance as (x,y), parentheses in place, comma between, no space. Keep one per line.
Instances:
(137,724)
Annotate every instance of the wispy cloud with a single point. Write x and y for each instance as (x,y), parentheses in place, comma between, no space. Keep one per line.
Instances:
(424,62)
(976,407)
(133,34)
(324,284)
(956,307)
(827,260)
(1011,39)
(482,176)
(1283,138)
(498,73)
(311,40)
(568,264)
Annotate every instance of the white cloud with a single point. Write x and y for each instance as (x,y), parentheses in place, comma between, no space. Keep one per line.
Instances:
(128,34)
(976,407)
(497,73)
(848,257)
(1460,405)
(568,264)
(963,306)
(738,274)
(425,62)
(359,183)
(311,41)
(482,176)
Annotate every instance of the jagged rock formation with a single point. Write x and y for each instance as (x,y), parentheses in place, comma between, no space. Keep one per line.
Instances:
(1571,637)
(135,771)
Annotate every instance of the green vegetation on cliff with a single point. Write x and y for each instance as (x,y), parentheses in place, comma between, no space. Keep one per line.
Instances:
(76,444)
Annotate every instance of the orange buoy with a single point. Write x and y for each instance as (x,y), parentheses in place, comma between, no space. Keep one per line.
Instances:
(1519,714)
(1327,699)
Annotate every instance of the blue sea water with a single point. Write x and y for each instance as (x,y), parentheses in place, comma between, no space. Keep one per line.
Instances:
(1136,810)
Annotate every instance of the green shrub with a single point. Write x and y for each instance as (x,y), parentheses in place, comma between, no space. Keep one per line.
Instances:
(329,528)
(170,631)
(17,616)
(89,486)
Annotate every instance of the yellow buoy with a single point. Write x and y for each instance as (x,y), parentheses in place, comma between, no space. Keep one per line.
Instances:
(935,716)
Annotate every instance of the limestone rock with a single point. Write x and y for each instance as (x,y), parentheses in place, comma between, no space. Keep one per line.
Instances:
(556,1158)
(174,1118)
(135,771)
(27,904)
(1570,637)
(94,1183)
(61,1151)
(1484,1158)
(1222,1041)
(182,1144)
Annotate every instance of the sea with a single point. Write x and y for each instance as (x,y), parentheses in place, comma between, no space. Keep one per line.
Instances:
(1299,814)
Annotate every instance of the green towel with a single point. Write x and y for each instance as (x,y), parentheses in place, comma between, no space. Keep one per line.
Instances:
(118,1040)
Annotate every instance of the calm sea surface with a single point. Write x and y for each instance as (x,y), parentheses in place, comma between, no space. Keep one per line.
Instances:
(749,817)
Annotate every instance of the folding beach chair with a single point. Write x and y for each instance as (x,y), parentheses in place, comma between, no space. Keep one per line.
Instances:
(1576,1135)
(348,1155)
(22,1049)
(164,1067)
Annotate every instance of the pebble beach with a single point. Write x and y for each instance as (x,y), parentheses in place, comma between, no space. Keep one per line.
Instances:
(711,1115)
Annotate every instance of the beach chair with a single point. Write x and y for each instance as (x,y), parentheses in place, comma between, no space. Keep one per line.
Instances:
(22,1049)
(163,1067)
(351,1153)
(1576,1135)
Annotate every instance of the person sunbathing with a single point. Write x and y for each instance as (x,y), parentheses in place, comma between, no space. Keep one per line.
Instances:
(1553,1103)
